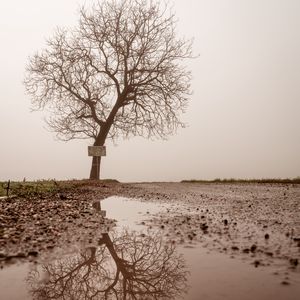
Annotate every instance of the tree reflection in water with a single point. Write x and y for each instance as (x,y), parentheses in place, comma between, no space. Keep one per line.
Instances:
(124,266)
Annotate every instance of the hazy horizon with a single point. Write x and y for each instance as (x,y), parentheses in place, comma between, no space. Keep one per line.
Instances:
(243,117)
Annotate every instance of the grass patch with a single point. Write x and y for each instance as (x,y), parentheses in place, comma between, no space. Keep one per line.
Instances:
(34,188)
(48,187)
(3,188)
(233,180)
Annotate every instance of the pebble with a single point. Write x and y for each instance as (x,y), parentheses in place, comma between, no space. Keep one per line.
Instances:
(294,262)
(21,255)
(253,248)
(33,253)
(256,263)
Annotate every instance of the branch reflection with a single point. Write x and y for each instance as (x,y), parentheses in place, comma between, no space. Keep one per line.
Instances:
(124,266)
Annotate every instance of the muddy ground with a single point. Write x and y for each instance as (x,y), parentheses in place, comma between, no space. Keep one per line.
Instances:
(256,222)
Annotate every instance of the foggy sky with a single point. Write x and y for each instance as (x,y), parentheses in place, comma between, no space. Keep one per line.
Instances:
(244,114)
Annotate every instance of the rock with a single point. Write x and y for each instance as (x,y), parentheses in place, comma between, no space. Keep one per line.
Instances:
(63,197)
(294,262)
(33,253)
(190,237)
(21,255)
(256,263)
(204,227)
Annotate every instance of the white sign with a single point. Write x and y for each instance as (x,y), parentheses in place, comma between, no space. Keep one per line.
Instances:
(97,150)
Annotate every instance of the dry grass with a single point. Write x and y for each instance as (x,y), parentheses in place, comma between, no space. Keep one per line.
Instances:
(233,180)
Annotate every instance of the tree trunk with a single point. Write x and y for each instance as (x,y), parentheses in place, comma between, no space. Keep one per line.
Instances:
(100,140)
(95,169)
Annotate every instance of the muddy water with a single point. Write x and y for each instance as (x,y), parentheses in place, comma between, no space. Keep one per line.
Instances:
(134,260)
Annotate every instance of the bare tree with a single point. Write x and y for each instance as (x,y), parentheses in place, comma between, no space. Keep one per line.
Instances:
(128,266)
(118,73)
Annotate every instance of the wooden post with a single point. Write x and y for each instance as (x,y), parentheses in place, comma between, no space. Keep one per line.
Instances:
(7,187)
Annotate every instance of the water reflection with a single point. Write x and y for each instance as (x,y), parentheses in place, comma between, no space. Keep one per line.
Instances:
(125,265)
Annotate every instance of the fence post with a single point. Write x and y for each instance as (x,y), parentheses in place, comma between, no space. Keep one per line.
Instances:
(7,188)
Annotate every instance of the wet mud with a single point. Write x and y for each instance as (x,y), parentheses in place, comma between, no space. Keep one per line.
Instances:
(255,222)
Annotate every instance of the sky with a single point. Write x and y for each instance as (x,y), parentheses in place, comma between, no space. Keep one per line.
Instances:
(243,119)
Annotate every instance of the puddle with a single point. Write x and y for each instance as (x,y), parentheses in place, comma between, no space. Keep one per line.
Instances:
(131,213)
(133,262)
(216,276)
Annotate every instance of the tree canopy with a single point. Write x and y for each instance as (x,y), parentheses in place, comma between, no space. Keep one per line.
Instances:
(118,73)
